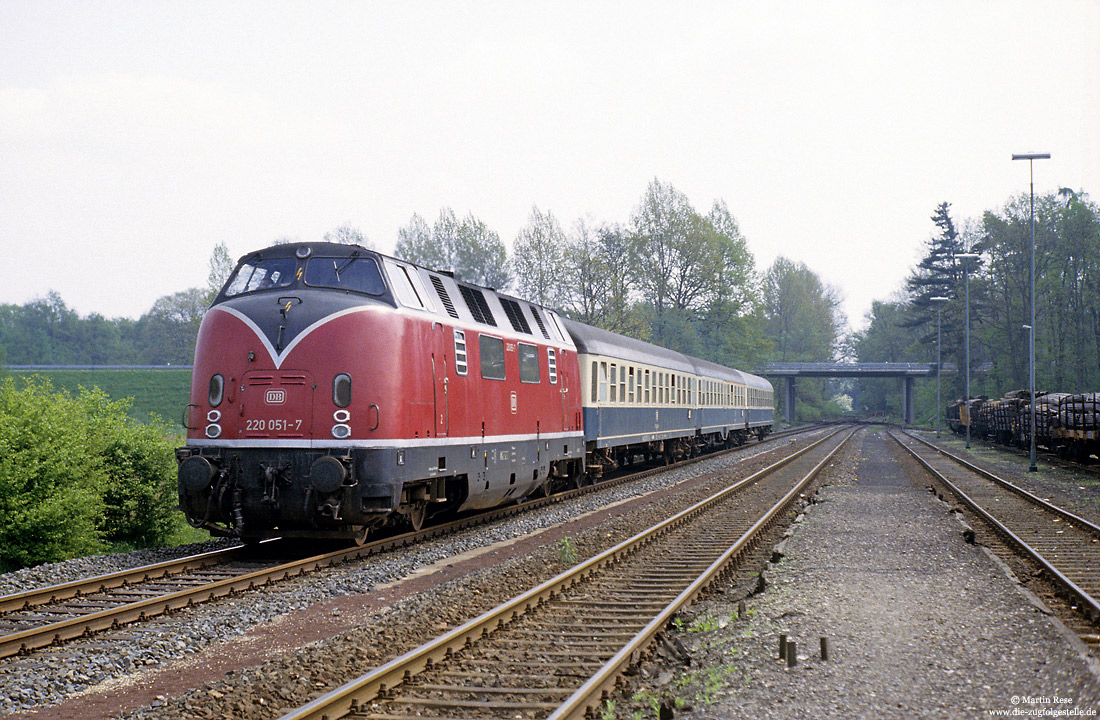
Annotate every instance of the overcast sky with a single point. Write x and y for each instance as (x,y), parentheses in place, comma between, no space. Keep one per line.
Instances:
(135,136)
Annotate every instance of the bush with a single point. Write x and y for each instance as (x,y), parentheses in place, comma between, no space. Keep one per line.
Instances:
(76,473)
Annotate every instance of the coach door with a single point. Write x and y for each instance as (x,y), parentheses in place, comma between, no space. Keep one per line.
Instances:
(440,380)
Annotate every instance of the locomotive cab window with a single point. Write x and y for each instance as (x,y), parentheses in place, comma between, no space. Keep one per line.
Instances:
(355,273)
(261,274)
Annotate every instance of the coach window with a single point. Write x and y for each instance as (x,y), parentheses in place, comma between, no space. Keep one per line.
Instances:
(622,385)
(614,382)
(528,363)
(492,357)
(603,382)
(595,381)
(630,386)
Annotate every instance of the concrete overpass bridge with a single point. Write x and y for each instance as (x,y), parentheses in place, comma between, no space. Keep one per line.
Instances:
(906,371)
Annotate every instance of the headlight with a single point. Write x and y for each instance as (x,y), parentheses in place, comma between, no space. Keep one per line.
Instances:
(341,390)
(217,390)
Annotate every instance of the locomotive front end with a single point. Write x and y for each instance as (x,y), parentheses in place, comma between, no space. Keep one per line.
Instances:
(284,365)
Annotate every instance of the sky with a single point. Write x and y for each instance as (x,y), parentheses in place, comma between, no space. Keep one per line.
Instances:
(136,136)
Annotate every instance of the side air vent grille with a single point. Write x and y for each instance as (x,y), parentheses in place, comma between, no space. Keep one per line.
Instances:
(478,307)
(443,296)
(538,319)
(515,315)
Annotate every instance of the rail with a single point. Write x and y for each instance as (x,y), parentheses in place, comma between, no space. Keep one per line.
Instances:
(354,696)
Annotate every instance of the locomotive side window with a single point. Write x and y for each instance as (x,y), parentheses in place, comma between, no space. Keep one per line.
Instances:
(460,352)
(358,274)
(492,357)
(261,274)
(528,363)
(552,365)
(403,286)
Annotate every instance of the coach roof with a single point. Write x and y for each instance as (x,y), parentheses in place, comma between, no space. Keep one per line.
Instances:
(594,341)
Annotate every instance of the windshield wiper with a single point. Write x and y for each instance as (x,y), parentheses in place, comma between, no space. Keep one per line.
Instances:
(344,266)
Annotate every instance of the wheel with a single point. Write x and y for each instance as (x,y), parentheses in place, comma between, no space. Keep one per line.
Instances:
(417,514)
(360,538)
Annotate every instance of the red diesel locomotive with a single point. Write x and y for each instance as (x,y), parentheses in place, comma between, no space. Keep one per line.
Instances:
(335,390)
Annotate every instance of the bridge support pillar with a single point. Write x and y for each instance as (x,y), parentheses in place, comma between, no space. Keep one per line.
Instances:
(908,412)
(788,404)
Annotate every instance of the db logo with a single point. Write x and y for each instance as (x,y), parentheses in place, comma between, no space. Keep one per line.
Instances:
(275,397)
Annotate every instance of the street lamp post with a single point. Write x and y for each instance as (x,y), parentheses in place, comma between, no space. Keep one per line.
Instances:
(966,258)
(1031,158)
(939,317)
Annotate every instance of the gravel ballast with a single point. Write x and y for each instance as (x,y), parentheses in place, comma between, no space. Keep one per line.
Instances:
(160,649)
(919,623)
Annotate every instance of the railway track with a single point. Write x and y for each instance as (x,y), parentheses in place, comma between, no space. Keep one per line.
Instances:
(559,648)
(1064,545)
(49,616)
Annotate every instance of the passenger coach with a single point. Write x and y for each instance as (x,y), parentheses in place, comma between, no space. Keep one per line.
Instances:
(643,399)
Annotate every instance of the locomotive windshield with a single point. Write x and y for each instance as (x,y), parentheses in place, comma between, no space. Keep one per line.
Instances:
(358,274)
(261,274)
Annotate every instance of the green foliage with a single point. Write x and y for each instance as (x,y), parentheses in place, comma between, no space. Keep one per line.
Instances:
(76,473)
(567,551)
(140,492)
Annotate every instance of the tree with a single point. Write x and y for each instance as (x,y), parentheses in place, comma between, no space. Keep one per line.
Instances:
(680,260)
(801,316)
(941,274)
(538,255)
(730,333)
(801,313)
(468,248)
(346,234)
(415,244)
(169,329)
(221,267)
